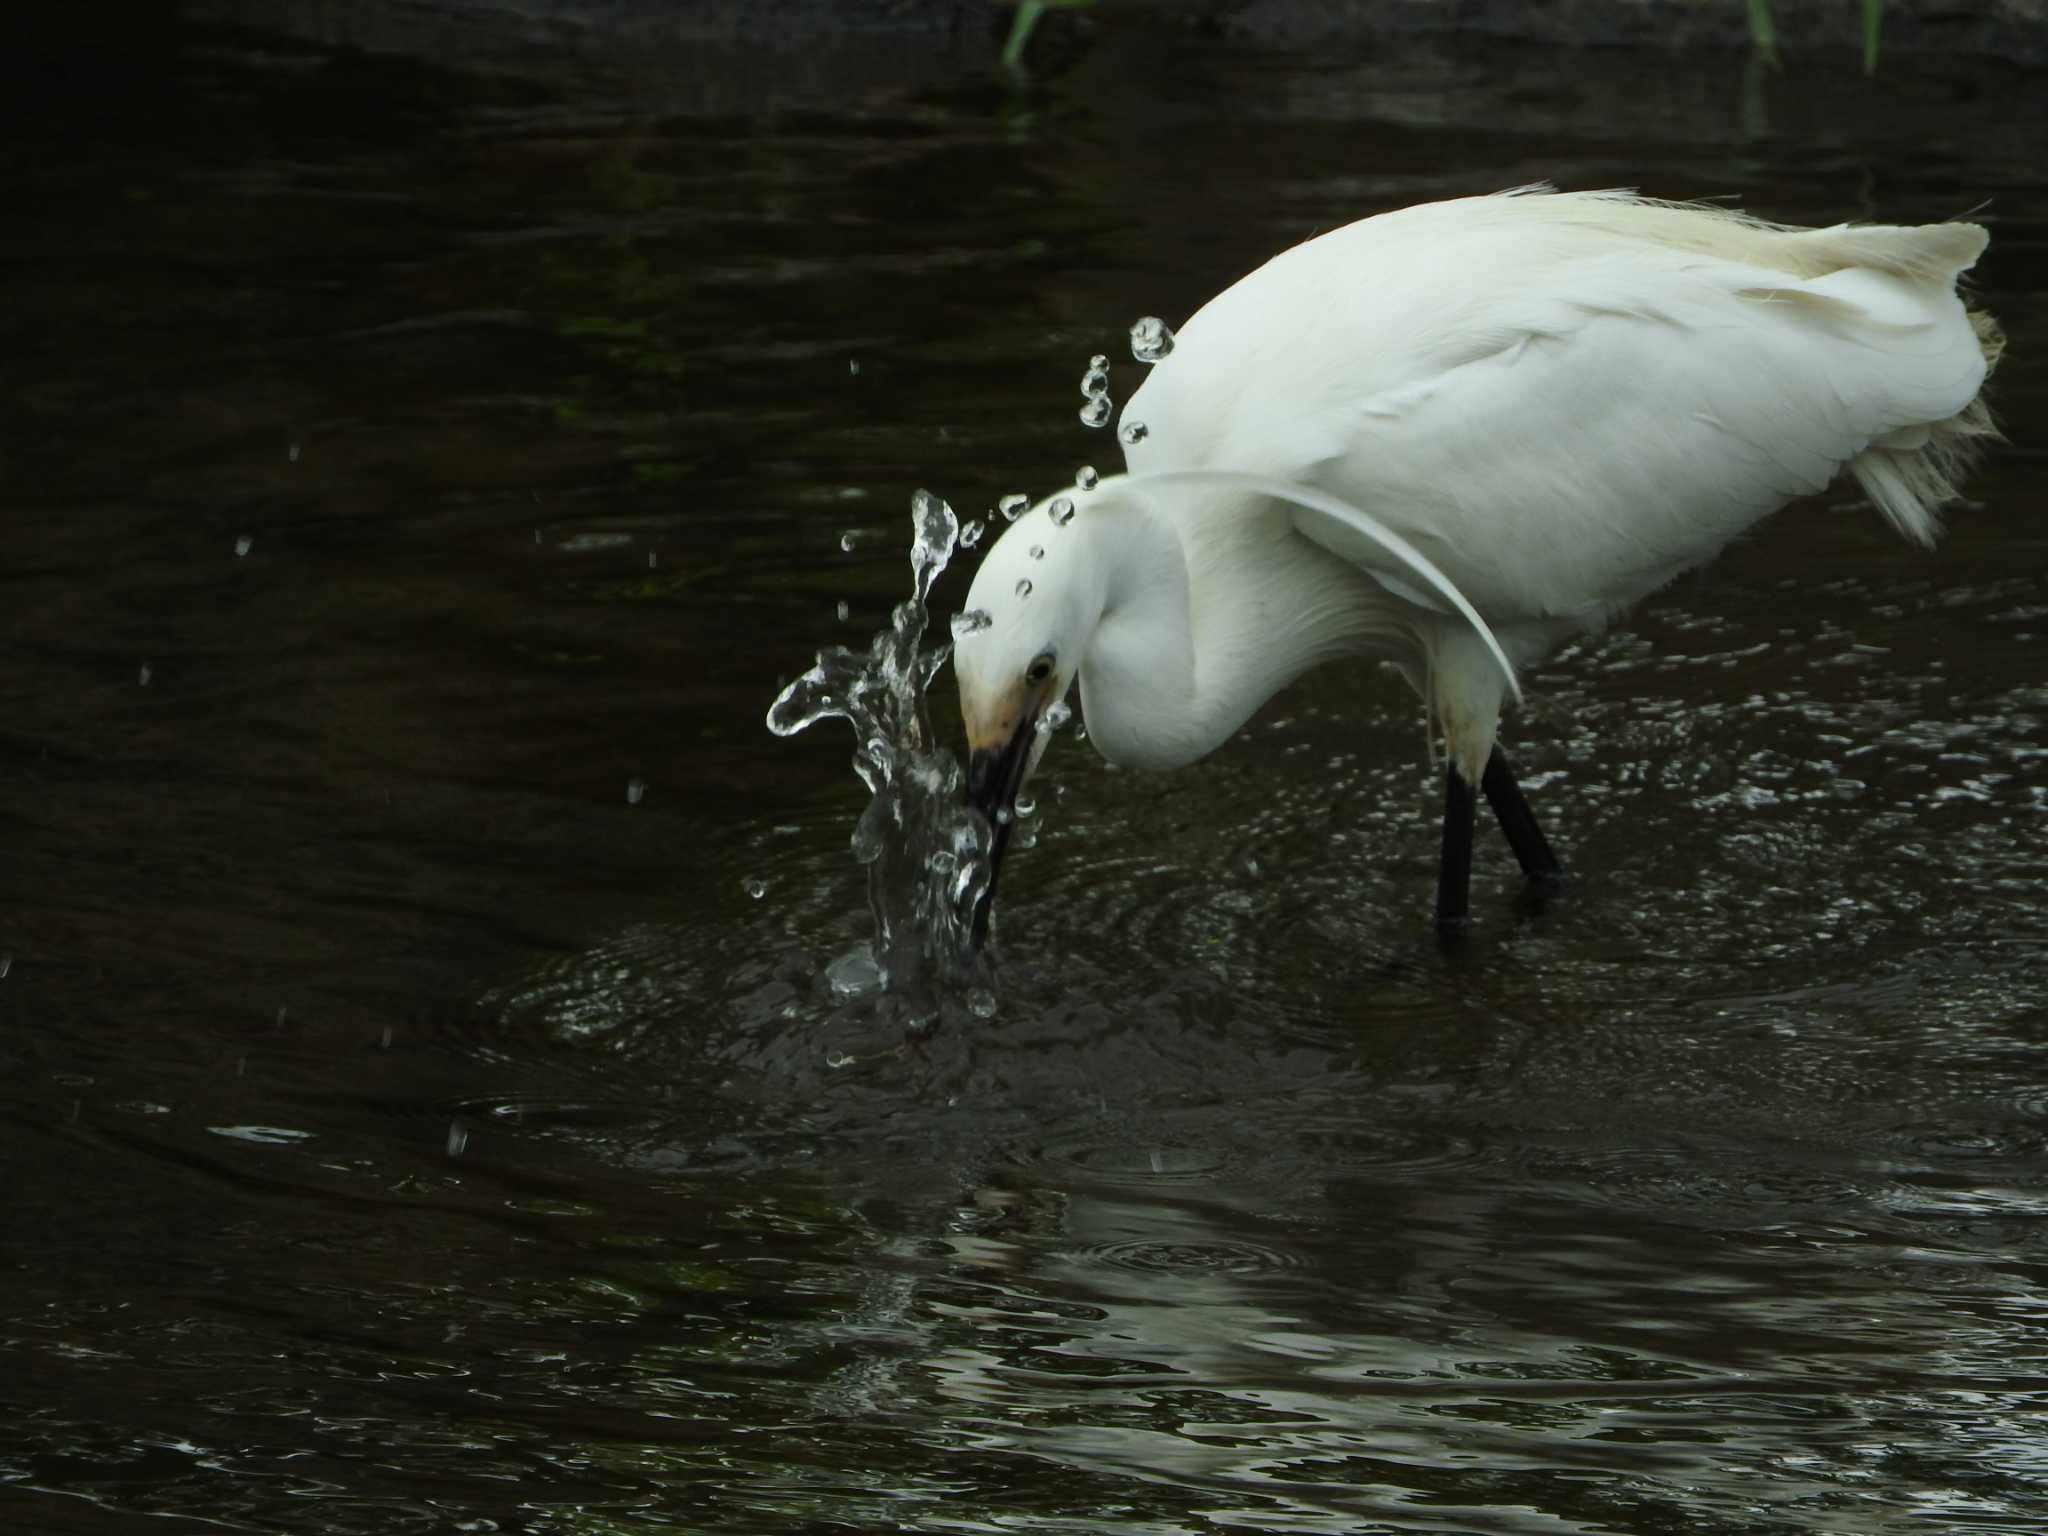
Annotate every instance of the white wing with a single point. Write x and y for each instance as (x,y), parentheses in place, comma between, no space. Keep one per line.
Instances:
(1563,401)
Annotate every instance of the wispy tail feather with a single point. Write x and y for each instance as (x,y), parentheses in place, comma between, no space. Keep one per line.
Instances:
(1911,483)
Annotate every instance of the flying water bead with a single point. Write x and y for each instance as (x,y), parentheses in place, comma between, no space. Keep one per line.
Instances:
(1134,432)
(1151,339)
(1086,478)
(972,622)
(1061,511)
(971,534)
(1024,588)
(1012,507)
(1095,389)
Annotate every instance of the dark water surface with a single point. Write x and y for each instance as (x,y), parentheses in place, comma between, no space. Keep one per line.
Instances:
(418,480)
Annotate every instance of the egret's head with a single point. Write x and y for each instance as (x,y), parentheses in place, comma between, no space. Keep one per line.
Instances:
(1017,645)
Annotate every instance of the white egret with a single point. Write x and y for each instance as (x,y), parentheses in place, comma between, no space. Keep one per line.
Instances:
(1451,438)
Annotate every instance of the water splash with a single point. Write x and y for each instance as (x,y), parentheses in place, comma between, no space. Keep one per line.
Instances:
(926,854)
(1134,432)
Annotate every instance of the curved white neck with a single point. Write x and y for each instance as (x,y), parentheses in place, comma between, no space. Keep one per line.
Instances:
(1198,630)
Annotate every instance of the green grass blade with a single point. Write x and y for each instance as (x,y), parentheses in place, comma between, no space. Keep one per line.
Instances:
(1763,32)
(1028,12)
(1873,24)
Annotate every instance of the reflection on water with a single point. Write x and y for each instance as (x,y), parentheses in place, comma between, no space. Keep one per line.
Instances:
(416,1001)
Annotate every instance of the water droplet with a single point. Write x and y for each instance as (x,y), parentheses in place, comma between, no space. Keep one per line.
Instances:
(142,676)
(1133,432)
(536,535)
(650,559)
(1055,717)
(1086,478)
(971,534)
(385,1042)
(854,974)
(6,965)
(853,365)
(972,622)
(243,545)
(1024,588)
(635,788)
(1151,339)
(837,1060)
(1061,511)
(1095,389)
(981,1003)
(1012,506)
(849,541)
(754,887)
(458,1138)
(1038,551)
(934,530)
(292,453)
(1026,806)
(841,609)
(871,833)
(1004,815)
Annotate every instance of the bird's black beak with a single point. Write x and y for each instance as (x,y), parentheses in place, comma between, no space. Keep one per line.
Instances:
(994,776)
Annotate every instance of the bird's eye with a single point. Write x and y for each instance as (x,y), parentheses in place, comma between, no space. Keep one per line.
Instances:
(1039,670)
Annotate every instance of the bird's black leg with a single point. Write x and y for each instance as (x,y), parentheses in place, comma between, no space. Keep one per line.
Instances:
(1454,874)
(1532,849)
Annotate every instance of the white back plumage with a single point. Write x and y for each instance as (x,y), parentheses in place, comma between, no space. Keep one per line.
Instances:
(1564,399)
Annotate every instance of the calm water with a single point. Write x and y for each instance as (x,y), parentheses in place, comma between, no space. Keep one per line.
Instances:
(417,481)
